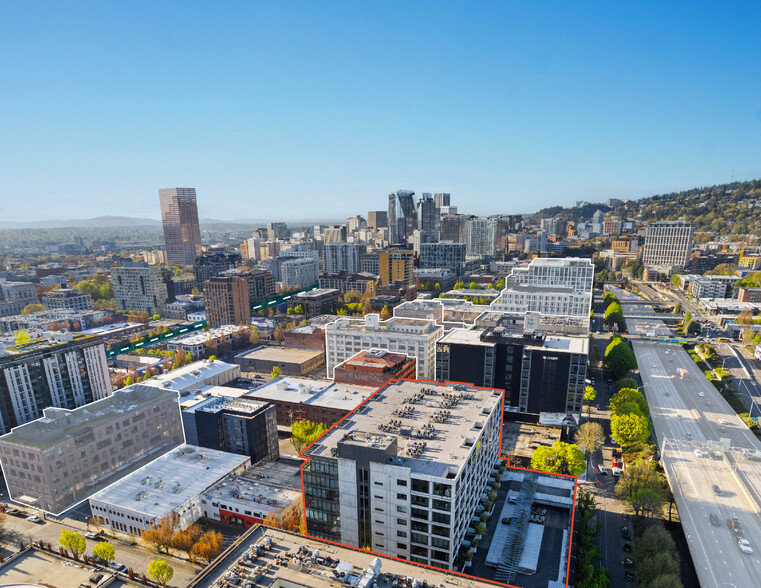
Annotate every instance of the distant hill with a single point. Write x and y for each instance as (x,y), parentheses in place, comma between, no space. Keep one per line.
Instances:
(723,209)
(98,221)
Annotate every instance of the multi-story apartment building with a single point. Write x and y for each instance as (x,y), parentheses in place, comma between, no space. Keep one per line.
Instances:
(57,371)
(237,425)
(14,296)
(346,282)
(561,287)
(441,200)
(220,341)
(316,302)
(339,257)
(416,337)
(299,272)
(453,227)
(403,475)
(446,254)
(369,263)
(227,301)
(668,243)
(334,234)
(712,286)
(67,298)
(374,368)
(481,237)
(396,265)
(139,286)
(58,460)
(208,265)
(442,276)
(179,215)
(538,372)
(377,219)
(261,283)
(749,294)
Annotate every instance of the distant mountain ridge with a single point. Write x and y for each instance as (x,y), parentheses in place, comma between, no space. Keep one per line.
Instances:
(98,221)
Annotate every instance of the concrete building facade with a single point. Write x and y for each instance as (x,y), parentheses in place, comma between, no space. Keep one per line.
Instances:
(668,243)
(140,287)
(182,233)
(67,298)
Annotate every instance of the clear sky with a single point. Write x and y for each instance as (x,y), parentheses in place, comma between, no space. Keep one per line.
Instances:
(320,109)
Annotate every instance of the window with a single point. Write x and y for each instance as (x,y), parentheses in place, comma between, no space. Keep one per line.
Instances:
(401,546)
(420,486)
(402,522)
(401,482)
(401,533)
(401,509)
(418,513)
(401,496)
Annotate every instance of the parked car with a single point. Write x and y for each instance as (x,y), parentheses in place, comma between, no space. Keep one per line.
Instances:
(118,567)
(91,535)
(625,533)
(616,472)
(34,519)
(627,547)
(629,576)
(506,520)
(603,469)
(627,562)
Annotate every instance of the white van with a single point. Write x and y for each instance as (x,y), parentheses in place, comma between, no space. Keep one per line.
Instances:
(615,471)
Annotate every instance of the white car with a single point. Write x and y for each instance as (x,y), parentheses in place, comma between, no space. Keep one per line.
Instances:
(701,394)
(655,365)
(603,469)
(744,546)
(698,453)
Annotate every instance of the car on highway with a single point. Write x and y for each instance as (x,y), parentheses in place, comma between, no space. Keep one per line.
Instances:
(716,490)
(714,520)
(724,421)
(688,435)
(701,394)
(734,525)
(744,545)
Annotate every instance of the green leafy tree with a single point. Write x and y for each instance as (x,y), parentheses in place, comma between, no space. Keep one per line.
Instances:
(276,372)
(629,396)
(459,285)
(630,428)
(619,358)
(72,541)
(608,299)
(160,571)
(473,286)
(678,308)
(255,337)
(561,458)
(299,309)
(30,308)
(590,395)
(614,316)
(305,432)
(104,551)
(626,383)
(385,314)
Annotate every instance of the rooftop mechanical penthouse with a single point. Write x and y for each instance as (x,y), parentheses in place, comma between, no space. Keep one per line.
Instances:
(403,473)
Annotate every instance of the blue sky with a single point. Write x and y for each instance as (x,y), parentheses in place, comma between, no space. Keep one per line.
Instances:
(320,109)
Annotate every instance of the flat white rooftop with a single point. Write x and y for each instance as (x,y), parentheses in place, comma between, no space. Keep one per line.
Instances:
(170,481)
(190,398)
(261,494)
(193,375)
(314,392)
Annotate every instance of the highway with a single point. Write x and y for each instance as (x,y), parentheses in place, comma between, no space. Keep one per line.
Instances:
(703,444)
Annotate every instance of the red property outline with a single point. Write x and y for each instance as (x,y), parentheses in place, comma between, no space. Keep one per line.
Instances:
(406,561)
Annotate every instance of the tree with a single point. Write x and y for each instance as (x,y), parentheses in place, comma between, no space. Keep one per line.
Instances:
(626,383)
(21,337)
(608,299)
(160,571)
(276,372)
(473,286)
(367,307)
(614,316)
(30,308)
(561,458)
(590,394)
(678,308)
(255,337)
(352,296)
(184,539)
(209,544)
(619,358)
(160,535)
(589,436)
(385,314)
(299,309)
(691,328)
(104,551)
(305,432)
(156,317)
(278,334)
(459,286)
(631,428)
(642,488)
(72,541)
(629,396)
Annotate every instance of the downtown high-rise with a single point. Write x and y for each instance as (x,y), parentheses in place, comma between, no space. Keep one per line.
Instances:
(182,234)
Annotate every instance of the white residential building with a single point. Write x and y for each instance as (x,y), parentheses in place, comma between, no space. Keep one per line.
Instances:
(300,272)
(668,243)
(560,287)
(342,257)
(346,337)
(481,237)
(399,494)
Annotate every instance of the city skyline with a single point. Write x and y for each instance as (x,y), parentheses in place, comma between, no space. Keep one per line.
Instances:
(499,106)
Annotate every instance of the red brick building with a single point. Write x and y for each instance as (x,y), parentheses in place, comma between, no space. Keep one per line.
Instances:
(749,294)
(307,336)
(375,368)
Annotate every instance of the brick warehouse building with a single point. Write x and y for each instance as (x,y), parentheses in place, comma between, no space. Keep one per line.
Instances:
(374,368)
